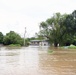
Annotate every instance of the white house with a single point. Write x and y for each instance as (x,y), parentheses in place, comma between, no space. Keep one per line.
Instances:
(39,42)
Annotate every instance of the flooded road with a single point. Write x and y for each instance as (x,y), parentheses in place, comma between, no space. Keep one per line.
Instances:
(37,61)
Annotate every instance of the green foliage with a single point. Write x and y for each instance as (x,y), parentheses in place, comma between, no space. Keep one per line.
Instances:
(74,40)
(70,25)
(12,38)
(32,38)
(72,47)
(53,28)
(27,42)
(1,38)
(14,45)
(60,29)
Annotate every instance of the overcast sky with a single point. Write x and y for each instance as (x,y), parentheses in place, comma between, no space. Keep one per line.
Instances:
(15,15)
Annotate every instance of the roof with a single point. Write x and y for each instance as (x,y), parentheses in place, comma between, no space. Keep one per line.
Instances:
(37,40)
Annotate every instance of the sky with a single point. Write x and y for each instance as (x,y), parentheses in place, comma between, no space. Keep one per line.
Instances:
(15,15)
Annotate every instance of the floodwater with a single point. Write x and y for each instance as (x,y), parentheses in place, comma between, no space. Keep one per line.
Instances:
(37,61)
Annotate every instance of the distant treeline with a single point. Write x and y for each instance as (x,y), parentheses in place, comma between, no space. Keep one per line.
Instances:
(12,38)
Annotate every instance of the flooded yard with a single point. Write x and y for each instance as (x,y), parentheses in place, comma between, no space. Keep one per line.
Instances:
(37,61)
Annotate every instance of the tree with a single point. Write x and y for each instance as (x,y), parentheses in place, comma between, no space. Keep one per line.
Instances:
(1,37)
(12,38)
(70,24)
(53,28)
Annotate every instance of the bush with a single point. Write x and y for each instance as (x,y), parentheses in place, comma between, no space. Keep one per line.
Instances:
(72,47)
(12,38)
(14,45)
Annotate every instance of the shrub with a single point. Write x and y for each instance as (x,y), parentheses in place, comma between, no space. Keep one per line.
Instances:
(72,47)
(14,45)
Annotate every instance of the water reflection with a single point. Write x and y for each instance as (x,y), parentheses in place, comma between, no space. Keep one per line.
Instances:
(36,61)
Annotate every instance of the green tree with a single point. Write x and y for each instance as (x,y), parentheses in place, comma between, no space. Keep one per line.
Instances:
(70,24)
(1,37)
(53,28)
(12,38)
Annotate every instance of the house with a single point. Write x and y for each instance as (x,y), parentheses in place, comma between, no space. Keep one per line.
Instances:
(39,42)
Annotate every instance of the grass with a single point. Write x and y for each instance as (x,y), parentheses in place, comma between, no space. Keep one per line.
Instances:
(72,47)
(69,47)
(50,51)
(14,45)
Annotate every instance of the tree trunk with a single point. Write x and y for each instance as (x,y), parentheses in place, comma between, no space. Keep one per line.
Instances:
(56,44)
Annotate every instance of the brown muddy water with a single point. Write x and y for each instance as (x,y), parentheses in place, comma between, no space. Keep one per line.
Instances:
(37,61)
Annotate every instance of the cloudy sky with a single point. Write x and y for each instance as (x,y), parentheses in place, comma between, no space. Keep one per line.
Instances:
(15,15)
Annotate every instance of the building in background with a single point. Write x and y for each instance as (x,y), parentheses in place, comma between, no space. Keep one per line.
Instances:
(39,43)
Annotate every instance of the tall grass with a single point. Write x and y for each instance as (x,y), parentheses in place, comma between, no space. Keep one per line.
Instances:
(14,45)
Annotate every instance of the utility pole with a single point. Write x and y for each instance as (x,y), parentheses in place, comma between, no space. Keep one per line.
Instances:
(24,36)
